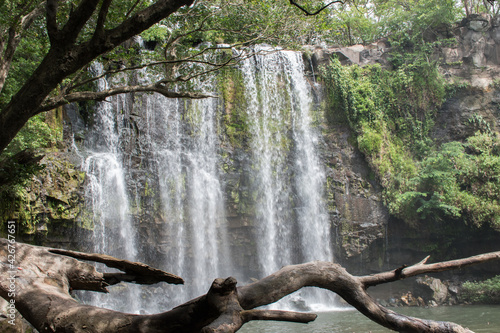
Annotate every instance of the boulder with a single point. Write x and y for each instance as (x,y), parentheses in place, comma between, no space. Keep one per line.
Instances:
(432,289)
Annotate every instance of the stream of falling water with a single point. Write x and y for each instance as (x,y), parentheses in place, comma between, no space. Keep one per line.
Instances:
(184,146)
(106,194)
(181,148)
(185,151)
(286,165)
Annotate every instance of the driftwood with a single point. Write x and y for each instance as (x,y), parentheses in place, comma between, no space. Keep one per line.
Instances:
(40,280)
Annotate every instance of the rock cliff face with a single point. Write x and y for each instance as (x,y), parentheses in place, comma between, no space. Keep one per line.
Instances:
(368,238)
(365,236)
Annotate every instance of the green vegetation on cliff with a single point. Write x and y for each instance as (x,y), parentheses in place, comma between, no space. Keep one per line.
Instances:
(392,113)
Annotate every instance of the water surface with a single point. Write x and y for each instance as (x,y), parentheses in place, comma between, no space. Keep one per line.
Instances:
(484,319)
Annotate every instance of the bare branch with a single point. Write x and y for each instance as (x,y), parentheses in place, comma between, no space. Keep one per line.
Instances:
(188,60)
(308,13)
(44,278)
(422,268)
(101,19)
(57,101)
(216,66)
(333,277)
(296,317)
(142,272)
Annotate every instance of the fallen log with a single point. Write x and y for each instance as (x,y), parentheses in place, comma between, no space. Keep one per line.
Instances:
(39,280)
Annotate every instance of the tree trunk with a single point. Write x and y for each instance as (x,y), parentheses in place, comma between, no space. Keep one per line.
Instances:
(38,280)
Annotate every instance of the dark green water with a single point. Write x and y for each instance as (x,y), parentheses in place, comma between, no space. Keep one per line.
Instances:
(477,318)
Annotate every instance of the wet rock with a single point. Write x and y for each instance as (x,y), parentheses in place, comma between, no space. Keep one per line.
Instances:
(409,300)
(432,289)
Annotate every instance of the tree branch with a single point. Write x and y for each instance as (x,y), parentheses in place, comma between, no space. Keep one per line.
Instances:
(51,18)
(188,60)
(143,20)
(132,8)
(423,268)
(43,279)
(67,58)
(334,278)
(54,102)
(276,315)
(77,20)
(308,13)
(101,19)
(142,273)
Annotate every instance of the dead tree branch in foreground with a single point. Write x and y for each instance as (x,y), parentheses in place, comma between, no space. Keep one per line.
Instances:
(43,278)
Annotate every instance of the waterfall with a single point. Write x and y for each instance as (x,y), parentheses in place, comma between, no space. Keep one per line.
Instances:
(312,217)
(106,191)
(267,116)
(156,192)
(185,149)
(293,224)
(176,153)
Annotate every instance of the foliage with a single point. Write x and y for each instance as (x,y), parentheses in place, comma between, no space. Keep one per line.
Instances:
(34,135)
(365,21)
(458,180)
(28,55)
(392,114)
(235,104)
(485,292)
(480,6)
(411,21)
(347,24)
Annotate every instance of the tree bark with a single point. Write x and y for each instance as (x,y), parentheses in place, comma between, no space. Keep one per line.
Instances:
(40,280)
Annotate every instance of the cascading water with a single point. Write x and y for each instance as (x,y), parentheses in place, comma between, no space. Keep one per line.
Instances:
(106,191)
(179,144)
(266,116)
(185,148)
(147,148)
(288,178)
(312,217)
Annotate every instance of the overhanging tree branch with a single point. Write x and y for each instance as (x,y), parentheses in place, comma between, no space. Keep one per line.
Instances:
(81,96)
(101,19)
(77,20)
(208,67)
(423,268)
(51,19)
